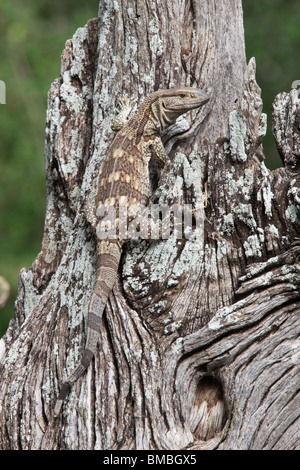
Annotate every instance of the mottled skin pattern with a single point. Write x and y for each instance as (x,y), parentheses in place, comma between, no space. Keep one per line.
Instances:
(124,181)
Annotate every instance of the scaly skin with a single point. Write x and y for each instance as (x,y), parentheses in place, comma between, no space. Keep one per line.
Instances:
(124,182)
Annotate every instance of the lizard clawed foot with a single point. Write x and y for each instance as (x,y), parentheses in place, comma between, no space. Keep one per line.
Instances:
(125,105)
(124,108)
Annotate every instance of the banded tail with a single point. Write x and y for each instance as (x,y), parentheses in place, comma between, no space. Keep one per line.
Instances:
(108,258)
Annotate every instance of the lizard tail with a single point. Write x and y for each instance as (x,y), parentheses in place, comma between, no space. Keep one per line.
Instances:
(108,258)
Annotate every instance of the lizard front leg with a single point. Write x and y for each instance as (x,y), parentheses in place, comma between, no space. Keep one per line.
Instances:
(159,152)
(124,109)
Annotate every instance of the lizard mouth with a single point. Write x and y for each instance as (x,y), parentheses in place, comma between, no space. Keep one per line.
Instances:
(200,94)
(205,99)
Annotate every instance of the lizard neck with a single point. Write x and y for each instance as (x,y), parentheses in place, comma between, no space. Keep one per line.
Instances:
(158,119)
(152,118)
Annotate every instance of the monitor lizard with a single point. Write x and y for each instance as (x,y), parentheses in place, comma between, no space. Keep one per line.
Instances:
(124,180)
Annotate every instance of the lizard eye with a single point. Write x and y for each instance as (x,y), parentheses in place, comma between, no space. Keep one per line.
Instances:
(182,95)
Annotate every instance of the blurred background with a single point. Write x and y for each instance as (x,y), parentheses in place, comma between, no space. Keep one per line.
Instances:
(32,37)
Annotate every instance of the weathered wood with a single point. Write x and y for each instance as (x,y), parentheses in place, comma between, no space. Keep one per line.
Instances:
(200,341)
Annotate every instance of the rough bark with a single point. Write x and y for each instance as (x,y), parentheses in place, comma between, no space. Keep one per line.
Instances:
(214,313)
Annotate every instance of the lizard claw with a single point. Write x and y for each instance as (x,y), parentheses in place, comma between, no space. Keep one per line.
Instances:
(123,109)
(125,105)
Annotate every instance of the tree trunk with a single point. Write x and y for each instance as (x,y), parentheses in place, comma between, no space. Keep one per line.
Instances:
(208,320)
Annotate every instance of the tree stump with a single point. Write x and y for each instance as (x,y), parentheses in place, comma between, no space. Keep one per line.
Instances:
(200,341)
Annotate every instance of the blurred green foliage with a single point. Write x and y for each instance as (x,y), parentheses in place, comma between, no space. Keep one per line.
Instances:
(272,36)
(33,35)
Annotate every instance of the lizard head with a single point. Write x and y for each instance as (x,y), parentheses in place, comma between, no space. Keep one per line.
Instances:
(168,105)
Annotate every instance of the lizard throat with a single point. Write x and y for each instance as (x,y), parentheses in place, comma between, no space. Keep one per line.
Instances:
(160,118)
